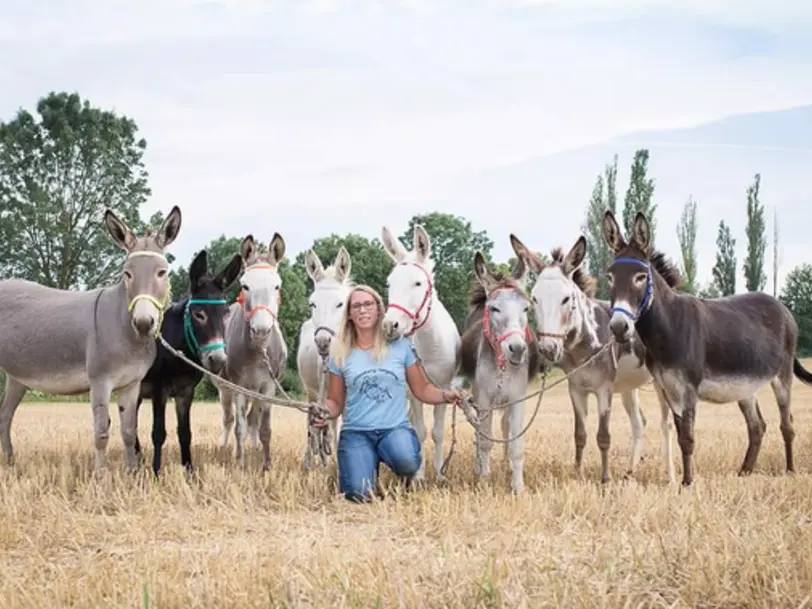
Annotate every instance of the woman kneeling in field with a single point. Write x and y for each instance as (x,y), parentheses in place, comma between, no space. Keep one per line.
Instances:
(367,384)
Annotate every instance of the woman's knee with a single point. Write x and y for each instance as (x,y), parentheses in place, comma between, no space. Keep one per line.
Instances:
(401,451)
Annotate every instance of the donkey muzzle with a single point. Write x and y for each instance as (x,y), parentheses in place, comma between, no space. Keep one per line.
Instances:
(322,340)
(621,326)
(144,326)
(215,360)
(551,349)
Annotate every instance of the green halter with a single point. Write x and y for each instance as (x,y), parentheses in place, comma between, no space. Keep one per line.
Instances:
(188,330)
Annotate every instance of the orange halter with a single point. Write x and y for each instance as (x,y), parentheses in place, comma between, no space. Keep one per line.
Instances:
(256,309)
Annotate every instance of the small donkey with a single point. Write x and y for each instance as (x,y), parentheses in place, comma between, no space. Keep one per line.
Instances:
(195,327)
(99,341)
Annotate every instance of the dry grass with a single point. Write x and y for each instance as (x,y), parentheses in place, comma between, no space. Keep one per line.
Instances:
(241,539)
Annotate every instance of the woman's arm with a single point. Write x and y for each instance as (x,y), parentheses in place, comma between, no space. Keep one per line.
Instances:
(424,390)
(336,394)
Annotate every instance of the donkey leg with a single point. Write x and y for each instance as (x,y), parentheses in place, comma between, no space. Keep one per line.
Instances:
(782,389)
(437,432)
(307,461)
(253,416)
(127,398)
(227,402)
(239,429)
(11,399)
(684,413)
(183,412)
(158,427)
(638,424)
(484,444)
(666,428)
(100,403)
(265,433)
(515,417)
(755,433)
(604,438)
(137,441)
(580,410)
(416,418)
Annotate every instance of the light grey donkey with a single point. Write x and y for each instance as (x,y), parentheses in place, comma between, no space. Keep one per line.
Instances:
(255,346)
(98,341)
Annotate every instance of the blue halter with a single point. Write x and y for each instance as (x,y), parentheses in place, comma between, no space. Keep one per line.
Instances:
(648,292)
(188,330)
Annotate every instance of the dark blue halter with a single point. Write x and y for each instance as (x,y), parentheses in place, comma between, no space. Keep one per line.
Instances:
(648,293)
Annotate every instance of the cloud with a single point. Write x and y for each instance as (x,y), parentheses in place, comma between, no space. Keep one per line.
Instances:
(262,115)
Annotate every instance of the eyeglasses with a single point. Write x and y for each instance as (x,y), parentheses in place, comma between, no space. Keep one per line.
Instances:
(367,304)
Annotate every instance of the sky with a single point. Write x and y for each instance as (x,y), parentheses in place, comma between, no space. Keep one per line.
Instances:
(309,118)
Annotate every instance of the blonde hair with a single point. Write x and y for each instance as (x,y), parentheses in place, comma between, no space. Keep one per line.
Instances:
(346,339)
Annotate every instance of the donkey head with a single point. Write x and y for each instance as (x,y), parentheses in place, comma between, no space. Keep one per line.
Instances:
(505,317)
(330,290)
(631,289)
(146,270)
(556,295)
(261,285)
(203,317)
(410,284)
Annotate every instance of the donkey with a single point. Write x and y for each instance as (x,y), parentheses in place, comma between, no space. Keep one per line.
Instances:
(571,327)
(415,311)
(255,346)
(97,341)
(331,287)
(193,326)
(715,350)
(500,358)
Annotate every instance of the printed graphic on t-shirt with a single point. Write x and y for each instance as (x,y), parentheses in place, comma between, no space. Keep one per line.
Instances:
(371,384)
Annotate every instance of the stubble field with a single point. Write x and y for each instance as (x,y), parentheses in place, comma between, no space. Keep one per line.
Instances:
(229,538)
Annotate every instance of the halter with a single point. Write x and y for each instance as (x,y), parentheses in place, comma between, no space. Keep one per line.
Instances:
(188,329)
(648,292)
(426,302)
(256,309)
(494,342)
(161,306)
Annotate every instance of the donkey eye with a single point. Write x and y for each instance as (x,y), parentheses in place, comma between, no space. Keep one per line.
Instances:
(244,287)
(566,300)
(162,273)
(535,300)
(339,305)
(312,305)
(200,316)
(610,278)
(128,275)
(277,288)
(418,283)
(494,309)
(640,277)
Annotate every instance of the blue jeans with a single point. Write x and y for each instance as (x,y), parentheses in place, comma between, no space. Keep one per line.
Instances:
(360,454)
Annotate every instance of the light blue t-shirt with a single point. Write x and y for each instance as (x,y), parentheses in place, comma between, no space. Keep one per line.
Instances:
(376,391)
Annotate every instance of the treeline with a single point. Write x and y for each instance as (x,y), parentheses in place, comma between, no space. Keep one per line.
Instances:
(64,163)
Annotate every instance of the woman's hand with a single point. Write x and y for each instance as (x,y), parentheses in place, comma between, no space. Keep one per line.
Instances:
(318,416)
(452,396)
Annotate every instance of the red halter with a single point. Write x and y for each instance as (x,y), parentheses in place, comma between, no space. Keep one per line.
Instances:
(494,342)
(426,302)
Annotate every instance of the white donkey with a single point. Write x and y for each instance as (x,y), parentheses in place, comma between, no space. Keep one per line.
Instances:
(415,310)
(571,326)
(331,287)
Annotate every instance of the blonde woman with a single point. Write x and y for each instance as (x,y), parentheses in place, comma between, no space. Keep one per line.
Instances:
(367,385)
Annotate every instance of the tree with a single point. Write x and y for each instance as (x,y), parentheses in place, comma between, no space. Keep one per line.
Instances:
(797,296)
(754,275)
(724,271)
(370,263)
(453,245)
(686,233)
(709,291)
(58,172)
(639,193)
(775,252)
(599,254)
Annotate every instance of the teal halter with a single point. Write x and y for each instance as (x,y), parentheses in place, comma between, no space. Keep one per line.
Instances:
(188,330)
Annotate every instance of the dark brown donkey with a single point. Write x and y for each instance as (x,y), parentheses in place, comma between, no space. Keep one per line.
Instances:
(715,350)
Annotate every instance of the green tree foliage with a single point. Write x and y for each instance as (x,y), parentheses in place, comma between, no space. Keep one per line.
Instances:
(754,277)
(370,262)
(724,271)
(639,193)
(686,233)
(797,296)
(599,254)
(453,245)
(59,169)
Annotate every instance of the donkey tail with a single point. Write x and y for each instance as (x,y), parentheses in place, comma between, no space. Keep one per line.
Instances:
(802,373)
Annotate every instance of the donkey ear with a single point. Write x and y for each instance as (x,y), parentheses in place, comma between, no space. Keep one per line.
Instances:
(276,250)
(525,255)
(169,228)
(421,243)
(248,249)
(641,232)
(120,232)
(198,269)
(481,270)
(519,271)
(343,264)
(392,245)
(575,257)
(228,275)
(611,232)
(313,266)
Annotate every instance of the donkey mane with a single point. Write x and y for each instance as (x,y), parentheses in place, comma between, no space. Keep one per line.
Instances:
(667,269)
(477,296)
(585,282)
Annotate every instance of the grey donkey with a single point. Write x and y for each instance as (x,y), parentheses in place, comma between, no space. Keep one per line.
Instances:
(98,341)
